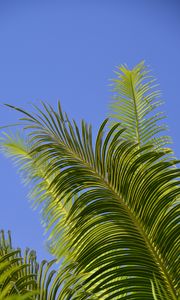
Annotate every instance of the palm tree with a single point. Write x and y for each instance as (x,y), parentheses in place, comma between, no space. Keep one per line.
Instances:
(111,207)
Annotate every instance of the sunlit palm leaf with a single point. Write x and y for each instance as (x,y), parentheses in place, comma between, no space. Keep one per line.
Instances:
(124,220)
(135,104)
(34,173)
(54,214)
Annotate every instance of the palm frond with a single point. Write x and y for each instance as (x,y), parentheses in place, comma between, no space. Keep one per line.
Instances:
(22,277)
(136,105)
(33,174)
(17,275)
(124,218)
(54,212)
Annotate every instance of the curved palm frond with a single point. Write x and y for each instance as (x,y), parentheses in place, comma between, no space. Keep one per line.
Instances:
(135,100)
(124,218)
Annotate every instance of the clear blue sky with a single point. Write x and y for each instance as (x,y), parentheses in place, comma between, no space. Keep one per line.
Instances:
(68,50)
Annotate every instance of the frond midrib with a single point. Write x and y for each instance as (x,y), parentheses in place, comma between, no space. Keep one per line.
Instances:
(135,109)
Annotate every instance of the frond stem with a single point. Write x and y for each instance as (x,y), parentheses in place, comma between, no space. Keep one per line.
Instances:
(135,109)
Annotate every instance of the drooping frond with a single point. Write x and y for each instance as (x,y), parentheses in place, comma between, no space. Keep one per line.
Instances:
(33,173)
(54,212)
(124,218)
(135,104)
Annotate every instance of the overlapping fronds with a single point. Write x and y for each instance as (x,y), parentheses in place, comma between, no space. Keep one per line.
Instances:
(123,222)
(136,105)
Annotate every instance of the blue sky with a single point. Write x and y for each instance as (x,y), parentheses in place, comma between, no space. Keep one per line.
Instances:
(68,50)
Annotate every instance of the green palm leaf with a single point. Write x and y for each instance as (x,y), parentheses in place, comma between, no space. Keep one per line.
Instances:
(136,98)
(123,221)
